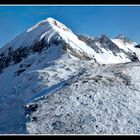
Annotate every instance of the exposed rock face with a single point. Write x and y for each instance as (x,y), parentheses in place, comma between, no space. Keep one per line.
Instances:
(124,38)
(16,56)
(137,46)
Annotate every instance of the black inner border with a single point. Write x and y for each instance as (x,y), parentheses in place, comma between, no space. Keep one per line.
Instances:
(65,2)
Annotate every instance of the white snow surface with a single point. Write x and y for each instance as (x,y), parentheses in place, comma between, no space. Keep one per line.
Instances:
(103,100)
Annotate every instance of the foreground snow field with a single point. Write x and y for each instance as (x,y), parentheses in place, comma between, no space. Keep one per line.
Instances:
(55,82)
(103,100)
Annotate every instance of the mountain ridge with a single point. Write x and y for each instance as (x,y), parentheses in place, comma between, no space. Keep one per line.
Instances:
(50,30)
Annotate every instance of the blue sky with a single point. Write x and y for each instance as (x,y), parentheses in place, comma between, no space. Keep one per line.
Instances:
(91,20)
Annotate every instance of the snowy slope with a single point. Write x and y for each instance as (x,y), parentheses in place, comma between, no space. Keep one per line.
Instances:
(103,100)
(126,44)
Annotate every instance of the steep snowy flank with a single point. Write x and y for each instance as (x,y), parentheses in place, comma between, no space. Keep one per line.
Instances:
(126,44)
(61,31)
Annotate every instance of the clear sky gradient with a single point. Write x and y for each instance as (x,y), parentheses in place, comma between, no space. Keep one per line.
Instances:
(90,20)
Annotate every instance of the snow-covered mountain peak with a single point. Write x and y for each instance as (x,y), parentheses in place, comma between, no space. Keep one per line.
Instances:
(49,22)
(47,28)
(104,38)
(125,39)
(41,23)
(58,24)
(120,36)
